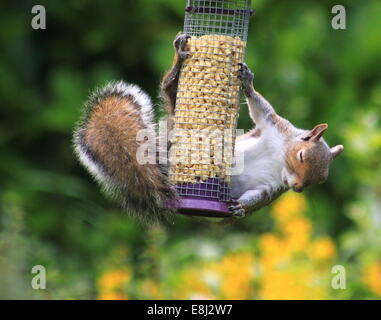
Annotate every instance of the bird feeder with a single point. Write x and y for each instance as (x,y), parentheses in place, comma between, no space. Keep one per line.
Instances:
(207,105)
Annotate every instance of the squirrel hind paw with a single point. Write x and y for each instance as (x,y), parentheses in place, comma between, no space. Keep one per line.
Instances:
(180,43)
(236,209)
(245,74)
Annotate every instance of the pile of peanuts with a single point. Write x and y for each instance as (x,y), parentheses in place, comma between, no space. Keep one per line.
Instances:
(207,105)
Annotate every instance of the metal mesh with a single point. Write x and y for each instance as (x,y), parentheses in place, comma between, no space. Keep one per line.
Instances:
(208,97)
(213,188)
(225,17)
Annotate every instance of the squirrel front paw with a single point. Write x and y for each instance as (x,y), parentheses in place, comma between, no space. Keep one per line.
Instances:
(247,77)
(179,43)
(236,209)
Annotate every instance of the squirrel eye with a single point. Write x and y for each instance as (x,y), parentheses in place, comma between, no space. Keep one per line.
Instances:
(301,156)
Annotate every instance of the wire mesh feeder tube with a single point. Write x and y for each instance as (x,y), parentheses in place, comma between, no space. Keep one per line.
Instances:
(207,105)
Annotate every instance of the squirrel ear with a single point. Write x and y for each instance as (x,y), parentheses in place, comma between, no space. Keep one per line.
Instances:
(316,133)
(336,150)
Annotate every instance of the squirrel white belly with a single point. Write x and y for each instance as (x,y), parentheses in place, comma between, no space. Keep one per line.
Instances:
(277,156)
(264,154)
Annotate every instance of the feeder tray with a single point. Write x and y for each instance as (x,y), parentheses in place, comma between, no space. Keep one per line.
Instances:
(207,106)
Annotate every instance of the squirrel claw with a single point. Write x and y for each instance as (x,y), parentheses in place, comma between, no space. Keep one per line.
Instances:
(236,209)
(179,43)
(246,77)
(183,55)
(245,74)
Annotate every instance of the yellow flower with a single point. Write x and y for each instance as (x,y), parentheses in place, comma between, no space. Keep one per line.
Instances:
(112,296)
(273,251)
(236,271)
(191,284)
(150,289)
(322,249)
(291,283)
(229,278)
(297,234)
(286,274)
(289,206)
(372,277)
(111,284)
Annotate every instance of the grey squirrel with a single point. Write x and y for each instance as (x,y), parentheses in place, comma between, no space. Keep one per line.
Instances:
(277,155)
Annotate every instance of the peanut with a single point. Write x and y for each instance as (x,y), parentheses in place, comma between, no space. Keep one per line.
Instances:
(207,99)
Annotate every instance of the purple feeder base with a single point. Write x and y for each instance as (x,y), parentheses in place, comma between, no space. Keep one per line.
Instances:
(207,199)
(201,207)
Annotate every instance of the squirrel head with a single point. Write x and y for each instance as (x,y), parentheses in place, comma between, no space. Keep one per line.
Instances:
(308,158)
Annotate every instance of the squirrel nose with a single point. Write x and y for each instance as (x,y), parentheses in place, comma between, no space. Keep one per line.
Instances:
(297,188)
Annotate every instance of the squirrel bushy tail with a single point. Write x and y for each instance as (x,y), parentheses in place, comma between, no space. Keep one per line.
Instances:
(105,143)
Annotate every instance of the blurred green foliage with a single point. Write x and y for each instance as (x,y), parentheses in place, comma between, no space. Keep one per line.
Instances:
(52,213)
